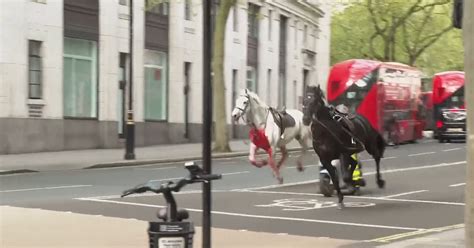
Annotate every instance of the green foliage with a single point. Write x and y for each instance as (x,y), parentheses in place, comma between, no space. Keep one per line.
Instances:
(415,32)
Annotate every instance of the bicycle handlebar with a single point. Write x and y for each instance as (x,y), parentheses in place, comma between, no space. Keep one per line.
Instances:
(171,186)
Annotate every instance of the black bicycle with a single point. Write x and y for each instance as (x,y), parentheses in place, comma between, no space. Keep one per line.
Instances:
(172,231)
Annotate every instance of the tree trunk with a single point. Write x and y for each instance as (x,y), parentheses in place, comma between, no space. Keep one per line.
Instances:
(468,32)
(220,127)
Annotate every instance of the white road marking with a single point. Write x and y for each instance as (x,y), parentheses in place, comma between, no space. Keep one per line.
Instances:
(416,233)
(406,193)
(457,185)
(305,166)
(366,173)
(186,192)
(371,159)
(261,216)
(277,185)
(361,197)
(453,149)
(45,188)
(223,174)
(159,168)
(420,154)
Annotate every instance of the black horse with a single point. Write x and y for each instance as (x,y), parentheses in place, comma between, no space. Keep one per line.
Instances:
(332,141)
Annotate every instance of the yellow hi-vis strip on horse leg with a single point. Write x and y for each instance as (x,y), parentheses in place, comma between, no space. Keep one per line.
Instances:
(357,175)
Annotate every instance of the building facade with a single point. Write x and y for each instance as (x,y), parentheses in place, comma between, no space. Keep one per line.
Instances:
(64,68)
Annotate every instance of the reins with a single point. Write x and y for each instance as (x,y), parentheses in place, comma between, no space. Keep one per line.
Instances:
(337,138)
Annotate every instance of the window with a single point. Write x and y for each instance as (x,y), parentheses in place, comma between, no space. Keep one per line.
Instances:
(80,78)
(34,70)
(156,85)
(269,86)
(122,79)
(253,12)
(305,35)
(270,21)
(282,90)
(235,15)
(187,10)
(158,7)
(296,33)
(252,79)
(123,2)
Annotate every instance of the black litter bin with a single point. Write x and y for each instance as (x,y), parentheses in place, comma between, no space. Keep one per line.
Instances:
(171,234)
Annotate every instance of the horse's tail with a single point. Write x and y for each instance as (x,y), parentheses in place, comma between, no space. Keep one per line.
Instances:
(381,144)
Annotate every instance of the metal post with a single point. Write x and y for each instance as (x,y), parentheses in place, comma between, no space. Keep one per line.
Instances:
(207,122)
(130,130)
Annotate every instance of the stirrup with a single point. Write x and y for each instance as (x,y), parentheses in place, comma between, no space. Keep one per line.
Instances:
(353,141)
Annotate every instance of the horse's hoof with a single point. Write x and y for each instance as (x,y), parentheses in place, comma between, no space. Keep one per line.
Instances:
(357,192)
(340,205)
(280,180)
(381,183)
(299,167)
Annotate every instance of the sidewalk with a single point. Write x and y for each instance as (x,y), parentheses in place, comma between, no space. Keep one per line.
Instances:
(23,227)
(100,158)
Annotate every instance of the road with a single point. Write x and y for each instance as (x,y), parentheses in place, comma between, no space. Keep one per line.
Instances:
(424,193)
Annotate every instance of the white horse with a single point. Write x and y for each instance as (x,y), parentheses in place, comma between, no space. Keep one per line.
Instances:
(272,128)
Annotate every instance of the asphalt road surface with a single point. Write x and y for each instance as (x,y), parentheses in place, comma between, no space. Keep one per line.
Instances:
(424,193)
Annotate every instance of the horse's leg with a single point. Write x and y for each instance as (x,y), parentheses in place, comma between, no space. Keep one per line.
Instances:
(252,159)
(275,169)
(335,180)
(284,156)
(349,164)
(299,161)
(377,154)
(380,181)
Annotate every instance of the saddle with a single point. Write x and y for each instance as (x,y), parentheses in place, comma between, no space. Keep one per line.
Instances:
(282,119)
(342,116)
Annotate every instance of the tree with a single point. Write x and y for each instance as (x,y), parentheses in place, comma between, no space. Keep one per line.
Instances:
(402,31)
(219,107)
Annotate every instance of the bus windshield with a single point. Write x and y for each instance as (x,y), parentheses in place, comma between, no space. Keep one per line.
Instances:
(456,100)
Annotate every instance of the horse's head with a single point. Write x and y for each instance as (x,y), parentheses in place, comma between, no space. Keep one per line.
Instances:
(241,105)
(312,103)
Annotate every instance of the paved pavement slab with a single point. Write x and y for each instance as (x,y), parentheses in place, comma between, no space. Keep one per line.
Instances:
(35,228)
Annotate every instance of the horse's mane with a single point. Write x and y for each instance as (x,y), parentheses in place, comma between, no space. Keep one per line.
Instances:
(255,97)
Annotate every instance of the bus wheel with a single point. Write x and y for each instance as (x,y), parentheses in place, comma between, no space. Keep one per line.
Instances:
(325,186)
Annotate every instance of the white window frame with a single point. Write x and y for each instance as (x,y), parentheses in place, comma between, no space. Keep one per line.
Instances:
(164,100)
(94,76)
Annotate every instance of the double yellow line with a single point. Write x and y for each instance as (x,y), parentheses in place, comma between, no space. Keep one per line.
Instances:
(416,233)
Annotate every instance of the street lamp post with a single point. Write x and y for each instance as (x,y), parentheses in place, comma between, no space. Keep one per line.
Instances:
(207,121)
(130,127)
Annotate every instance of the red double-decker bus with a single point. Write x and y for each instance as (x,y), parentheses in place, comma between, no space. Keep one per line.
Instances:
(386,93)
(449,105)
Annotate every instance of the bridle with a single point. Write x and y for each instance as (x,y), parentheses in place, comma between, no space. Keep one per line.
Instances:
(246,105)
(244,111)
